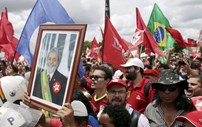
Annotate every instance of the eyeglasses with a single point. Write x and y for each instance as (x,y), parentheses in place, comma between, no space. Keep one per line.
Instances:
(96,77)
(113,92)
(169,88)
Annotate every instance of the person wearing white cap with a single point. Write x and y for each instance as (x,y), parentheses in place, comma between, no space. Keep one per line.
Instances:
(140,91)
(71,115)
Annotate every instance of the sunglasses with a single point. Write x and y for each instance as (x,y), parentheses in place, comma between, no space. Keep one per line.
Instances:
(96,77)
(169,88)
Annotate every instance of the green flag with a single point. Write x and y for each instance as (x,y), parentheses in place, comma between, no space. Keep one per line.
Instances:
(157,25)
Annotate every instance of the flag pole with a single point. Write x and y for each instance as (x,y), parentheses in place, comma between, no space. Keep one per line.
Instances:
(107,8)
(141,46)
(13,56)
(107,14)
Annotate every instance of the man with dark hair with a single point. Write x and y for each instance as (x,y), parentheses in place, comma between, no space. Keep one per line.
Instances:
(115,116)
(194,86)
(50,83)
(100,78)
(140,92)
(117,95)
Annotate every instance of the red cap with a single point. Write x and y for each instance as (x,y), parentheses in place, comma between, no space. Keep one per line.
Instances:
(194,117)
(117,82)
(151,72)
(197,101)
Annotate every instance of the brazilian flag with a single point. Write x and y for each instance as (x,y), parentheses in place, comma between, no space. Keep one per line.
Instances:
(157,25)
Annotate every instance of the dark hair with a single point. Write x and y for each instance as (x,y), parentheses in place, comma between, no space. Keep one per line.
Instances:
(15,69)
(165,66)
(148,66)
(108,72)
(197,76)
(83,83)
(141,70)
(182,102)
(80,119)
(87,67)
(78,95)
(118,114)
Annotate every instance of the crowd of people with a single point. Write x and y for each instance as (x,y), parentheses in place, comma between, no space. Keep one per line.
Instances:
(142,93)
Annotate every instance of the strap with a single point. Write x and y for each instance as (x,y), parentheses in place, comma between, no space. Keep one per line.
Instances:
(135,118)
(146,90)
(45,87)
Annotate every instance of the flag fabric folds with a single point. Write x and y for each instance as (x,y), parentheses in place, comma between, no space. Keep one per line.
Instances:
(138,37)
(95,49)
(133,49)
(43,11)
(6,28)
(179,39)
(157,25)
(113,46)
(148,40)
(8,42)
(191,41)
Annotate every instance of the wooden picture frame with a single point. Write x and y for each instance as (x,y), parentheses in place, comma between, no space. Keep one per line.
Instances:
(58,49)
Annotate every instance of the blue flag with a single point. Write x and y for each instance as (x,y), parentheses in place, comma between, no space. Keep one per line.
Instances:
(43,11)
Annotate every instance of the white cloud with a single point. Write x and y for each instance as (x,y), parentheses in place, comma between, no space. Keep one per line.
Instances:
(183,15)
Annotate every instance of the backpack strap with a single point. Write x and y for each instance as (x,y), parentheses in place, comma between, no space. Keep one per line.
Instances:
(146,90)
(135,115)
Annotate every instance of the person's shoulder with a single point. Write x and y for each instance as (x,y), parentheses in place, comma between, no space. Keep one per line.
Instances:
(59,74)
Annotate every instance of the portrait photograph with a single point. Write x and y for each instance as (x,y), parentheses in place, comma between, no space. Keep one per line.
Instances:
(56,60)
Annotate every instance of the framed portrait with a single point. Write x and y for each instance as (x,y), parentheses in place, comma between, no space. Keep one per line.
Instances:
(55,65)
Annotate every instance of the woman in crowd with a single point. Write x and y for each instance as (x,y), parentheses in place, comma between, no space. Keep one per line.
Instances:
(170,101)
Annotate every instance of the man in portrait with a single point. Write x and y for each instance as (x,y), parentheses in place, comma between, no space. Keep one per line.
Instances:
(50,84)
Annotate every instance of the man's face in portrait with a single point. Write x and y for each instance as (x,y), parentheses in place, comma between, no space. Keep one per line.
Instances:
(52,62)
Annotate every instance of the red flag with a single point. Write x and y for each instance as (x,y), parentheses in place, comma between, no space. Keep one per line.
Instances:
(10,49)
(192,42)
(148,40)
(138,37)
(95,50)
(178,38)
(7,41)
(134,50)
(113,46)
(6,29)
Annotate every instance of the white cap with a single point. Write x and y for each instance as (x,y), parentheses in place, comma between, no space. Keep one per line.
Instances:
(79,108)
(117,74)
(133,62)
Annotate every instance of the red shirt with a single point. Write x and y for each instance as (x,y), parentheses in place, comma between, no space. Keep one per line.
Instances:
(137,98)
(99,103)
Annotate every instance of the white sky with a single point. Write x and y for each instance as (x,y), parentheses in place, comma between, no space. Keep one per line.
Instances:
(183,15)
